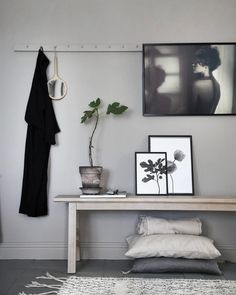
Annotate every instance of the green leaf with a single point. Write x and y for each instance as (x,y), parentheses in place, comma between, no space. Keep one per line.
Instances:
(116,109)
(87,115)
(83,119)
(115,104)
(95,103)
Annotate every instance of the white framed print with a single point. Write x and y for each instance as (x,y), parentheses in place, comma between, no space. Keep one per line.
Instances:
(150,173)
(179,161)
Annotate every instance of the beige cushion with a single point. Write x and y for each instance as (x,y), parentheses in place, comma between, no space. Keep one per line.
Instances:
(151,225)
(169,245)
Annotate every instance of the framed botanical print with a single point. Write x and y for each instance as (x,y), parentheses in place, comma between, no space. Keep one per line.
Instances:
(150,173)
(179,161)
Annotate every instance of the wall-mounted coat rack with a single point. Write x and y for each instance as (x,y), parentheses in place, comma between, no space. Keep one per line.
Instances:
(83,47)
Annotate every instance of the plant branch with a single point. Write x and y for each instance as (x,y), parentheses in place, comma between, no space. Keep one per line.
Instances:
(91,139)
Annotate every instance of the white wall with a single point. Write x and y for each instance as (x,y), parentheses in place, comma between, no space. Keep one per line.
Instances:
(109,76)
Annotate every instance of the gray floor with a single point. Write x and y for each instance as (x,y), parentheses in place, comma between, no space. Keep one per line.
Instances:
(15,274)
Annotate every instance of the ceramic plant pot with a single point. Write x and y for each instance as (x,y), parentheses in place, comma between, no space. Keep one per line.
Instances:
(90,176)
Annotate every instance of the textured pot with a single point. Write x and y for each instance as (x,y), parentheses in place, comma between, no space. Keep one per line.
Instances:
(90,176)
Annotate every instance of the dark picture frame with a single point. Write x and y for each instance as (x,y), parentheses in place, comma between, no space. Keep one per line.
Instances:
(179,161)
(150,174)
(189,79)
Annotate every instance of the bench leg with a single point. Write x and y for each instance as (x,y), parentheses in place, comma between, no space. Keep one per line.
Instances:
(72,238)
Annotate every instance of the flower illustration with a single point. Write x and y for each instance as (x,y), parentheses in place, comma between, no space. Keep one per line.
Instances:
(172,167)
(179,155)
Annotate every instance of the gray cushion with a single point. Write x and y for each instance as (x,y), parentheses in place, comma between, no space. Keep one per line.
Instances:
(163,264)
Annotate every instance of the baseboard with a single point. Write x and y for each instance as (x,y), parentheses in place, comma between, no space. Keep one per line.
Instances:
(58,250)
(89,250)
(228,252)
(33,250)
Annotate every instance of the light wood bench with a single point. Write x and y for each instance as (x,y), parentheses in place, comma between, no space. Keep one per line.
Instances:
(132,203)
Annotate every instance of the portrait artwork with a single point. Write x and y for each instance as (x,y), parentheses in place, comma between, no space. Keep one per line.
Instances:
(189,79)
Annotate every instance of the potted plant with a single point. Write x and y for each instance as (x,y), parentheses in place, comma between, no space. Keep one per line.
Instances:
(91,175)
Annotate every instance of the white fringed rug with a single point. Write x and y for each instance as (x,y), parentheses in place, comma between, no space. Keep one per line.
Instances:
(130,286)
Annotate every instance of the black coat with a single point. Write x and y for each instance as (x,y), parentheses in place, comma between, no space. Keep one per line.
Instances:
(42,127)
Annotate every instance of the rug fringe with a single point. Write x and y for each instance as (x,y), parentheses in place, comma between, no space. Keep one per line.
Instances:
(48,276)
(126,272)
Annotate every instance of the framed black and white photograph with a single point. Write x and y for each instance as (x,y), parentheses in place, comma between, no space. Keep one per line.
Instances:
(150,173)
(179,161)
(189,79)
